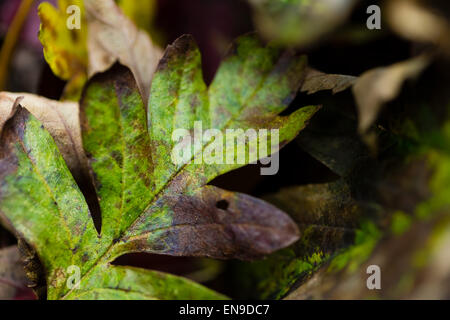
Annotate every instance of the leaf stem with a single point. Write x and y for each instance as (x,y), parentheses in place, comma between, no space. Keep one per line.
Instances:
(12,36)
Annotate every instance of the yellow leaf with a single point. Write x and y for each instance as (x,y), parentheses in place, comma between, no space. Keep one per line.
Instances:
(65,50)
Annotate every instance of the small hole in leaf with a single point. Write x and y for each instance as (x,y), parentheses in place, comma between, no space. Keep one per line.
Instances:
(222,204)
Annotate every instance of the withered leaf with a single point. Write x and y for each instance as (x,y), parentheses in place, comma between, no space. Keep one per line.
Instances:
(317,81)
(112,36)
(328,217)
(377,86)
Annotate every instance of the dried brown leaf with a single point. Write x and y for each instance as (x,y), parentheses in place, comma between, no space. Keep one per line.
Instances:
(378,86)
(112,36)
(318,81)
(59,118)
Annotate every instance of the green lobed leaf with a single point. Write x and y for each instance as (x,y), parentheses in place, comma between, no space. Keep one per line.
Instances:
(252,86)
(38,191)
(147,203)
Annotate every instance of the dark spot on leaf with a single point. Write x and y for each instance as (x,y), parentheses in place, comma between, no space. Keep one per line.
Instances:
(117,156)
(222,204)
(74,36)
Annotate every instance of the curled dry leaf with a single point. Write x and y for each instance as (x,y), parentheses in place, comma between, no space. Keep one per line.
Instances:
(380,85)
(112,36)
(318,81)
(8,106)
(417,21)
(61,119)
(105,36)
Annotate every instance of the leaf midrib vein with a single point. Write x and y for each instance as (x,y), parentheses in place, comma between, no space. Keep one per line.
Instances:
(163,187)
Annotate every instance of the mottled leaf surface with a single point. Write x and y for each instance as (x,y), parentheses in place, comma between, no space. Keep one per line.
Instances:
(252,86)
(376,87)
(147,203)
(175,213)
(38,191)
